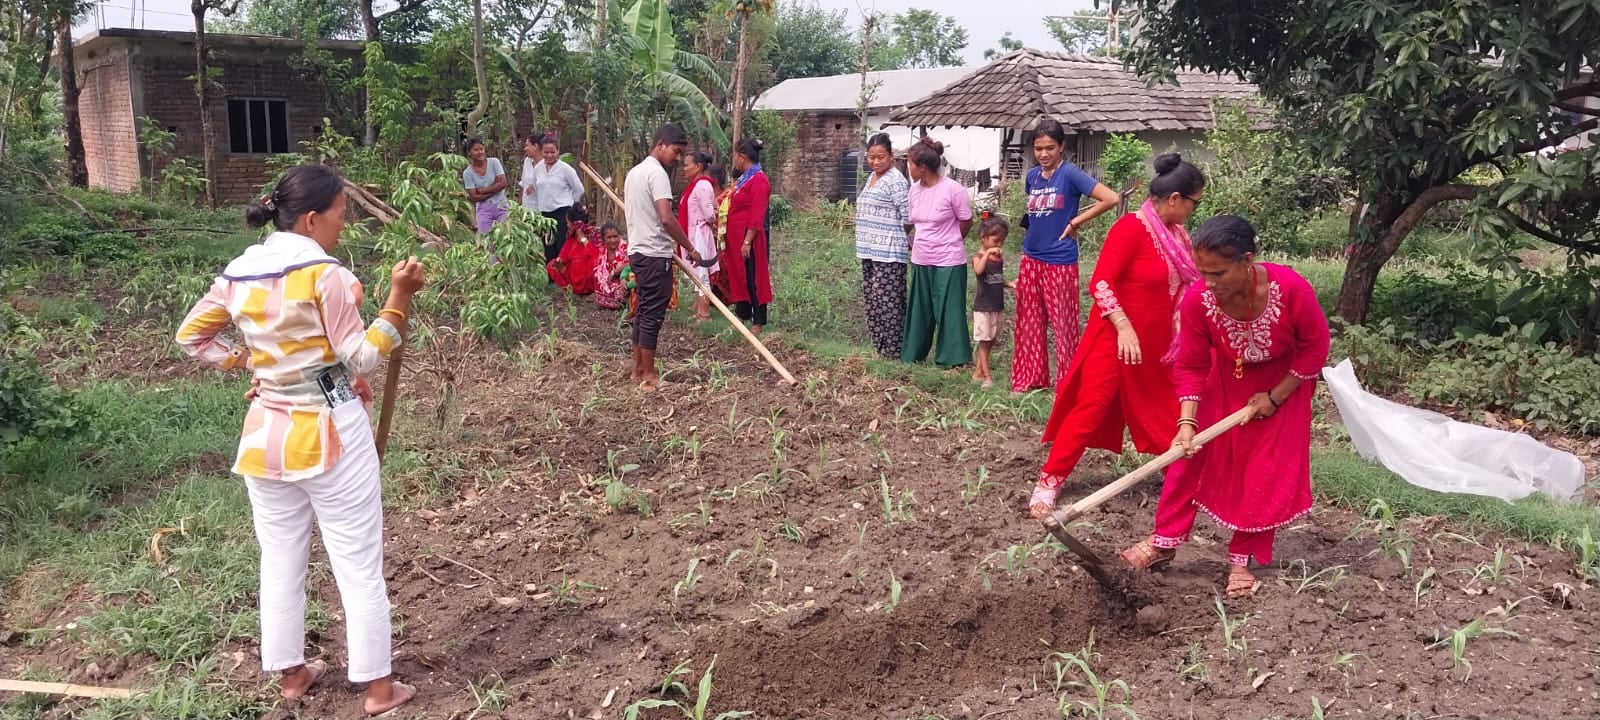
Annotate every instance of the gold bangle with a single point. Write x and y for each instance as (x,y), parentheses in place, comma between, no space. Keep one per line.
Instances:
(392,310)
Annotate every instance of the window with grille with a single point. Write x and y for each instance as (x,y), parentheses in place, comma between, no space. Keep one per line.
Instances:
(258,127)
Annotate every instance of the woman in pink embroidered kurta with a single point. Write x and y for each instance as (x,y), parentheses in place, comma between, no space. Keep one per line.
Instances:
(1252,334)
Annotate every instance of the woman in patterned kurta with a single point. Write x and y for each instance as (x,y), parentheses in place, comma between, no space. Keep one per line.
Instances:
(609,287)
(1121,376)
(882,247)
(1252,335)
(307,448)
(697,213)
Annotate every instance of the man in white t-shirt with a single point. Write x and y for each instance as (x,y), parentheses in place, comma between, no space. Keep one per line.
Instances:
(653,232)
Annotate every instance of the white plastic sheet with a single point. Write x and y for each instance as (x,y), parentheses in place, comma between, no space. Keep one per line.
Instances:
(1432,451)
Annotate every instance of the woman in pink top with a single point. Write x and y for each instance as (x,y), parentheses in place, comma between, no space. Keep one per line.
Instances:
(942,215)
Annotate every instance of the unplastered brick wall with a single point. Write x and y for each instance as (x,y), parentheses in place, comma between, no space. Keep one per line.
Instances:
(253,73)
(106,110)
(810,174)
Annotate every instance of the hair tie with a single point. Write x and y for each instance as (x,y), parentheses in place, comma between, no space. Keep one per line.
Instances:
(266,202)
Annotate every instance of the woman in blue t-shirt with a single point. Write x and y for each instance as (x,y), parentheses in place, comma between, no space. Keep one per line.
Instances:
(1047,280)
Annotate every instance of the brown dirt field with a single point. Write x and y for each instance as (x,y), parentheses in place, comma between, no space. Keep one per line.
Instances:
(527,573)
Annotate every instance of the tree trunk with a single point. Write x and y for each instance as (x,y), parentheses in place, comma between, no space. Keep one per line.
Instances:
(476,116)
(77,164)
(369,26)
(739,63)
(1376,237)
(202,92)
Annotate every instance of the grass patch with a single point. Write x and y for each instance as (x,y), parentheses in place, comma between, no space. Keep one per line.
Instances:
(1341,477)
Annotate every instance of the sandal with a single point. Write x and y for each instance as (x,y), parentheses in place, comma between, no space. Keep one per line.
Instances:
(403,694)
(316,668)
(1241,584)
(1043,501)
(1144,556)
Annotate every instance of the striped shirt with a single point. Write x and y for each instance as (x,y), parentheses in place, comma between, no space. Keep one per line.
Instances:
(299,312)
(881,219)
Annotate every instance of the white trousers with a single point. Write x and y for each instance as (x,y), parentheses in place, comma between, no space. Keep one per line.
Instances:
(347,506)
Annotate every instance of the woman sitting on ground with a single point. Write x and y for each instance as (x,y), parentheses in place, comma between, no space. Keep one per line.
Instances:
(612,260)
(307,452)
(573,269)
(1252,335)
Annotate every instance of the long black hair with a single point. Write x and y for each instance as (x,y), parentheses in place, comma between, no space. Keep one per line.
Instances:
(303,189)
(750,148)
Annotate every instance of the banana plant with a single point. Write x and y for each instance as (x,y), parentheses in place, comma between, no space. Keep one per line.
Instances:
(669,71)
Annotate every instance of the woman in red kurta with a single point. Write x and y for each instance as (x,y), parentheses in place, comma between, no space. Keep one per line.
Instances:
(574,267)
(749,282)
(1121,374)
(1252,335)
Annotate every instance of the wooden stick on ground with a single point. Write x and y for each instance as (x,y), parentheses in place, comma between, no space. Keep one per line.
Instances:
(688,270)
(385,214)
(53,688)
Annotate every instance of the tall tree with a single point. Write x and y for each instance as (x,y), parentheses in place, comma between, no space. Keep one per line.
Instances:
(742,11)
(1406,96)
(1085,33)
(1008,44)
(72,124)
(928,39)
(202,87)
(475,116)
(808,41)
(325,19)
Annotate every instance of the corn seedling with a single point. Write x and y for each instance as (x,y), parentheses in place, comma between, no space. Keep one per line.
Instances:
(1317,709)
(1423,587)
(1114,695)
(489,694)
(1232,638)
(1013,560)
(566,591)
(1194,667)
(687,584)
(696,711)
(1345,661)
(975,484)
(1457,639)
(894,592)
(701,519)
(896,509)
(1588,562)
(792,531)
(1300,577)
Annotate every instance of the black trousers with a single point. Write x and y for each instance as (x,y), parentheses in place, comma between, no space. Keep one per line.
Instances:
(751,311)
(652,277)
(553,243)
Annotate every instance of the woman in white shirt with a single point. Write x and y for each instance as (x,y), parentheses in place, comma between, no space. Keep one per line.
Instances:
(551,187)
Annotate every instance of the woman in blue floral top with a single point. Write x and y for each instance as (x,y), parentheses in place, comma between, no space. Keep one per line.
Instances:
(882,224)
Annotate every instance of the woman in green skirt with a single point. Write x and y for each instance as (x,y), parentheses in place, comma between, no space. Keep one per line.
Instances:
(942,215)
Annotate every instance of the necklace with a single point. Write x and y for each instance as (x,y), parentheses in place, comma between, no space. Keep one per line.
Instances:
(1249,337)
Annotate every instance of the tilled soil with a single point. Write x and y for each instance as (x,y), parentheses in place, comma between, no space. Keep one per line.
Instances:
(767,528)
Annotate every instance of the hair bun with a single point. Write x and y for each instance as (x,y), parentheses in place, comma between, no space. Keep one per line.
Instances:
(1168,162)
(937,146)
(758,142)
(260,213)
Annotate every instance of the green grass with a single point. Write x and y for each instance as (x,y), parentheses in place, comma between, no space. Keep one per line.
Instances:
(1341,477)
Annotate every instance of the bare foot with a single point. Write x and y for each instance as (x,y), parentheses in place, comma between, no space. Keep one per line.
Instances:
(388,697)
(1241,584)
(649,383)
(298,681)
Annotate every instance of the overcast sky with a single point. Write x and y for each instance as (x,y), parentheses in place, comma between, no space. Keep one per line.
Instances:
(985,20)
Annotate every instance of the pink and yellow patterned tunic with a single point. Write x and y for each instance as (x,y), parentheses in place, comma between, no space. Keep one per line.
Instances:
(299,312)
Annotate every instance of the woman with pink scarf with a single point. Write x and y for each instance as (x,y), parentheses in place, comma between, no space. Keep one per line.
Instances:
(1121,375)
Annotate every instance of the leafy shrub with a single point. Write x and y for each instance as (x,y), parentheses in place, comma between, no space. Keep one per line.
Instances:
(1549,386)
(839,215)
(1385,354)
(30,405)
(1551,304)
(1267,178)
(1123,158)
(779,210)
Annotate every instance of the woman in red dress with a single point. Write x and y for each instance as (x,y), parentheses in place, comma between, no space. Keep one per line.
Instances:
(1252,335)
(1121,374)
(574,267)
(749,281)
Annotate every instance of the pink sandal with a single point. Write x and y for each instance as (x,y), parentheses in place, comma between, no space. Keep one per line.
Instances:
(1043,500)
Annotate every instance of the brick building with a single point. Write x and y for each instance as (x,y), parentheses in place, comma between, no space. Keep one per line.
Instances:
(262,105)
(823,110)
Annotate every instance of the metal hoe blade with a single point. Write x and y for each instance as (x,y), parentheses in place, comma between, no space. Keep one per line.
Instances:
(1087,559)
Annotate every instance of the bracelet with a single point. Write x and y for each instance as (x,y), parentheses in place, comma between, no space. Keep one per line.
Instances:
(1191,422)
(392,310)
(1275,403)
(1121,320)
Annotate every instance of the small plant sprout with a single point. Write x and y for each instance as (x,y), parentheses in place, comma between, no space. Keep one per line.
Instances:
(975,484)
(1194,666)
(1423,587)
(1318,709)
(1299,576)
(1587,564)
(701,701)
(896,509)
(1345,661)
(792,531)
(687,584)
(894,592)
(1232,638)
(490,695)
(1105,696)
(1457,639)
